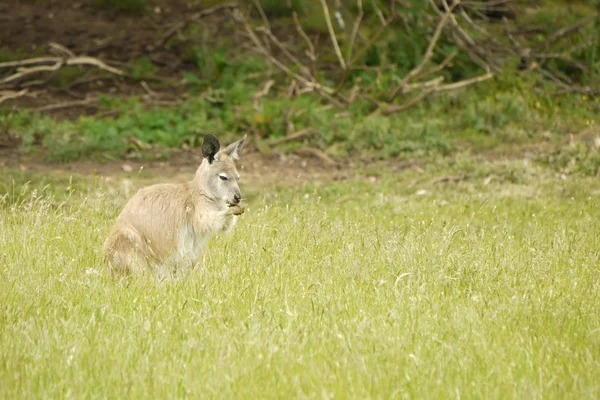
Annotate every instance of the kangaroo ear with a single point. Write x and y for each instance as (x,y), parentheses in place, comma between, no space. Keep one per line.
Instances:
(210,147)
(233,150)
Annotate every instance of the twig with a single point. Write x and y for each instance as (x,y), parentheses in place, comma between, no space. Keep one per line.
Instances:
(283,49)
(309,81)
(150,92)
(355,27)
(61,50)
(30,61)
(387,108)
(370,43)
(311,49)
(435,82)
(265,90)
(438,67)
(263,16)
(465,82)
(568,29)
(336,45)
(10,94)
(85,60)
(311,151)
(58,63)
(77,103)
(393,108)
(464,40)
(195,17)
(428,52)
(379,13)
(212,10)
(32,70)
(291,137)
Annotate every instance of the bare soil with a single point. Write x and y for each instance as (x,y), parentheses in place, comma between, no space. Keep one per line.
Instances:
(117,38)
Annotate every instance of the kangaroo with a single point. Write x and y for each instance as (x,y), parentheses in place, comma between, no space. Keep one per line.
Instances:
(165,227)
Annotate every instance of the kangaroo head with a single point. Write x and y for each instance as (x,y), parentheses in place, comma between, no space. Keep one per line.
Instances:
(217,176)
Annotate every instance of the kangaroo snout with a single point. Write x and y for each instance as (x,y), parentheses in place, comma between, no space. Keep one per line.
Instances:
(236,199)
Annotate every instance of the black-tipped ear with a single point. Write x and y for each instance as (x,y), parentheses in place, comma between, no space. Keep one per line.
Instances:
(210,147)
(233,150)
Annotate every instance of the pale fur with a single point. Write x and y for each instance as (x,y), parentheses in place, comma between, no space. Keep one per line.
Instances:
(165,227)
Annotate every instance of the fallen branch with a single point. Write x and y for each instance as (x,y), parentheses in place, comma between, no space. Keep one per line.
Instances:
(32,70)
(194,18)
(431,87)
(465,82)
(336,45)
(38,65)
(30,61)
(568,29)
(291,137)
(312,152)
(9,94)
(311,48)
(306,79)
(428,53)
(67,104)
(150,92)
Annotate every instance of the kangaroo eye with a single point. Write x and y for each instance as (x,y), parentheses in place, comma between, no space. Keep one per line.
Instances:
(223,177)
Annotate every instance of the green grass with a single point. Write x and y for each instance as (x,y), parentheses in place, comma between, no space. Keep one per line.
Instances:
(501,113)
(410,287)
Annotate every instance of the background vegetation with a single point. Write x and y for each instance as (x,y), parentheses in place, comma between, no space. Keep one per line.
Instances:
(541,96)
(453,255)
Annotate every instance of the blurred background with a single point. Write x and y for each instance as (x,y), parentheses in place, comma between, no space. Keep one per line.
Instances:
(321,80)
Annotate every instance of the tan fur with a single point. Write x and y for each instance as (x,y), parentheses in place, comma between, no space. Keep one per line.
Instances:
(164,227)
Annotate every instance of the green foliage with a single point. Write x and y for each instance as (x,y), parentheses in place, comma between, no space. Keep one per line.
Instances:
(142,68)
(576,157)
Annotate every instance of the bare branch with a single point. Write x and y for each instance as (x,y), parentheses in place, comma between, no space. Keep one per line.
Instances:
(311,48)
(283,49)
(309,82)
(291,137)
(336,46)
(33,70)
(393,108)
(89,102)
(568,29)
(263,16)
(379,13)
(355,27)
(465,82)
(30,61)
(61,50)
(57,63)
(85,60)
(10,94)
(431,88)
(312,152)
(428,52)
(438,67)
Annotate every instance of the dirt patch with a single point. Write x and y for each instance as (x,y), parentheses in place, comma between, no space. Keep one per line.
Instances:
(260,170)
(119,39)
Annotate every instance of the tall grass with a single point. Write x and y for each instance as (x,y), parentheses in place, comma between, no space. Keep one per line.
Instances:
(404,288)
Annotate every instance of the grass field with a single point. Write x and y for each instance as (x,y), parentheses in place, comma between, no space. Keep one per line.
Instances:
(472,280)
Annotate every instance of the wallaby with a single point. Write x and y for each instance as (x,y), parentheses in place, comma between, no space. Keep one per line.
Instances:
(164,228)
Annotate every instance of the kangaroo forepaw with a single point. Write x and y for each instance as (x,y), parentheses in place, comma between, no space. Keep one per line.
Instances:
(235,210)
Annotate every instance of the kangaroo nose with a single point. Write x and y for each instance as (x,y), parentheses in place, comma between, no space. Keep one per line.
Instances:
(236,198)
